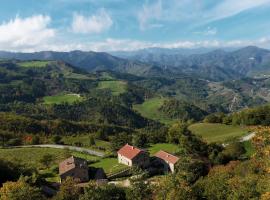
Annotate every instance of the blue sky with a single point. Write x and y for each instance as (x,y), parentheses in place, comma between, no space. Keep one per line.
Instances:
(107,25)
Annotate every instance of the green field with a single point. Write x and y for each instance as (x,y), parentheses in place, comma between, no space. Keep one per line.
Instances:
(84,140)
(217,132)
(116,87)
(149,109)
(110,165)
(30,157)
(76,76)
(62,98)
(170,148)
(34,63)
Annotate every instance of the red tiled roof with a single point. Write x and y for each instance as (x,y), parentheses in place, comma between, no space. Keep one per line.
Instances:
(167,157)
(129,151)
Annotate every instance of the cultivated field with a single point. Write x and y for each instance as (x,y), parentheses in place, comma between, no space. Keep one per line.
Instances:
(217,132)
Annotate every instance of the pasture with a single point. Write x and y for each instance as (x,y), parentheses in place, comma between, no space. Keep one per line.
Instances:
(217,132)
(150,109)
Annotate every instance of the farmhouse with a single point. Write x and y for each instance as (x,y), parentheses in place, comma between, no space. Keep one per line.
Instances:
(74,167)
(168,160)
(132,156)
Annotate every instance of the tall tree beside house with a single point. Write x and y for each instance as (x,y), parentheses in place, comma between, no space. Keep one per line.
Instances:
(68,190)
(46,160)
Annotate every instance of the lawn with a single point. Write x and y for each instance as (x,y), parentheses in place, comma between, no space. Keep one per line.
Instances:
(62,98)
(217,132)
(84,140)
(34,64)
(149,109)
(116,87)
(110,165)
(170,148)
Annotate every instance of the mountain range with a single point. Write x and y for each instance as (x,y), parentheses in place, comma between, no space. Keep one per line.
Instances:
(214,65)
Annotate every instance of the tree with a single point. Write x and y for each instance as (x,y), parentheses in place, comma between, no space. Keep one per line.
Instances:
(103,192)
(92,140)
(190,169)
(56,139)
(46,160)
(119,140)
(19,190)
(140,140)
(139,190)
(68,190)
(175,132)
(35,140)
(4,137)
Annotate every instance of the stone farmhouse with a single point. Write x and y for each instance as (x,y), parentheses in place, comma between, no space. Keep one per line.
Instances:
(133,156)
(74,167)
(167,160)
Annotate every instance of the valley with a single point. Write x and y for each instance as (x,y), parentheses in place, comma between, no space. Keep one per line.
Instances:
(83,109)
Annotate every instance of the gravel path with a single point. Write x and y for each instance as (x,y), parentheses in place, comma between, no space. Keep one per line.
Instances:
(57,146)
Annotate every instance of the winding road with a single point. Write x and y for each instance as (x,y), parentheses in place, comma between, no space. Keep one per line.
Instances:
(58,146)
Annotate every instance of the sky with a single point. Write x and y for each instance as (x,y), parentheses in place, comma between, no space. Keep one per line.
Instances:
(126,25)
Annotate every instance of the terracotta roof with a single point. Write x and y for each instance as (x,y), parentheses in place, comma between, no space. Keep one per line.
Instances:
(129,151)
(71,163)
(167,157)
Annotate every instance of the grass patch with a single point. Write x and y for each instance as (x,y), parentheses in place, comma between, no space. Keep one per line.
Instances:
(249,148)
(110,165)
(85,141)
(217,132)
(37,64)
(170,148)
(71,75)
(30,157)
(62,98)
(149,109)
(116,87)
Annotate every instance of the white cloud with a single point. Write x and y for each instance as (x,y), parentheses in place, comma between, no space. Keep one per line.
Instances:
(230,8)
(150,13)
(23,33)
(111,44)
(97,23)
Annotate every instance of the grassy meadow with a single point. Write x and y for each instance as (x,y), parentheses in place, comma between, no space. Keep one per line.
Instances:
(61,98)
(31,64)
(170,148)
(217,132)
(116,87)
(85,141)
(149,109)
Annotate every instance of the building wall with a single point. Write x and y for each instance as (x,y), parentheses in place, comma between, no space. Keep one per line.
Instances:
(124,160)
(171,167)
(80,174)
(141,160)
(167,167)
